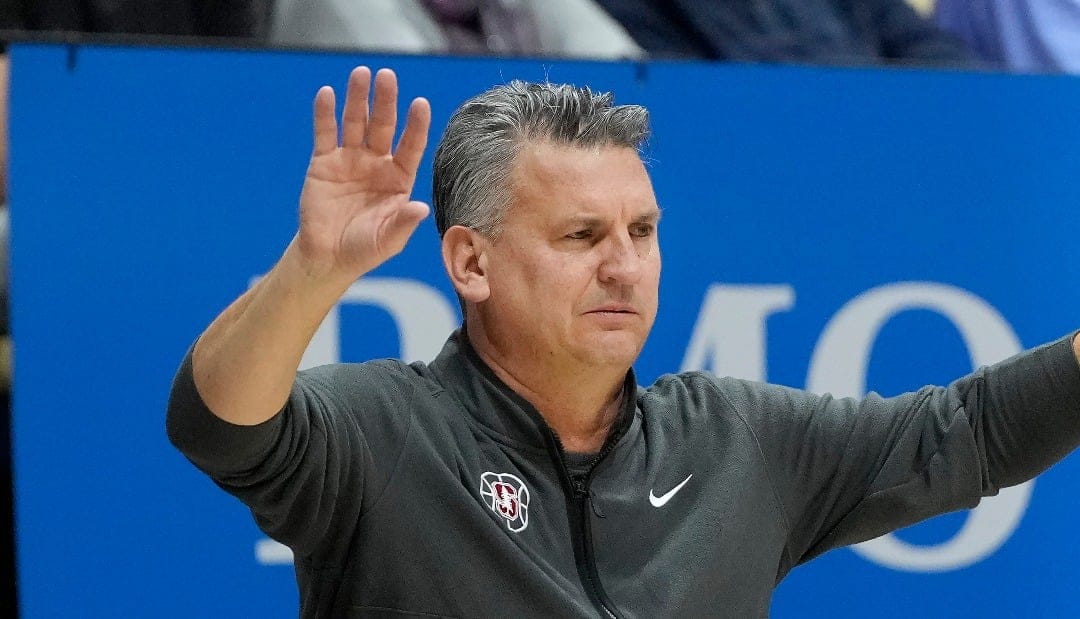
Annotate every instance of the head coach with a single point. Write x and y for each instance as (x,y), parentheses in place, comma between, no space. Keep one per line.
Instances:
(524,471)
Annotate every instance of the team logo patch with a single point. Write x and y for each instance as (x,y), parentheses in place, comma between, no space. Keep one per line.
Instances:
(508,497)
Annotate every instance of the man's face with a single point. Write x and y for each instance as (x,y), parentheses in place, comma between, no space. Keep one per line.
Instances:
(574,274)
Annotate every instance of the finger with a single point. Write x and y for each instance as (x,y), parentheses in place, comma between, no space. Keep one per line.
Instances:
(413,140)
(354,118)
(383,112)
(325,122)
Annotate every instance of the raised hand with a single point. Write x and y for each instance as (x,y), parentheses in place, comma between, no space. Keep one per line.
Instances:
(356,210)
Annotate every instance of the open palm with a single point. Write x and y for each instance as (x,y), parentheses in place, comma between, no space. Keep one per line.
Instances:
(355,208)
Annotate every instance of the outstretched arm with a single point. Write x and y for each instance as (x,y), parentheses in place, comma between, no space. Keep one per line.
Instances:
(355,213)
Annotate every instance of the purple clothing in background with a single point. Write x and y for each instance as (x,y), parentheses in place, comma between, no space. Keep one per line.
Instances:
(499,26)
(1021,35)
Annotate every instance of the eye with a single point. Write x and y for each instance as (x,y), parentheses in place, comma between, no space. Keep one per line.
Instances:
(580,234)
(642,230)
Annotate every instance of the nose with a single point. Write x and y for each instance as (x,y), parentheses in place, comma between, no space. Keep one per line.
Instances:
(622,263)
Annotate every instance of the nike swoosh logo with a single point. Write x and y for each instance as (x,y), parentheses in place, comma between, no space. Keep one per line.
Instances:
(659,501)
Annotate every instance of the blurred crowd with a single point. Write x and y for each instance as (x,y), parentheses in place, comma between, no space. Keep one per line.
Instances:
(1018,35)
(1011,35)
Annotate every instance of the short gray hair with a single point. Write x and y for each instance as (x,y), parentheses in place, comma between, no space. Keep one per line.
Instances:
(478,149)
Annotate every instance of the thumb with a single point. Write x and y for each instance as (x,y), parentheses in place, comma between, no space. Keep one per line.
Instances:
(401,224)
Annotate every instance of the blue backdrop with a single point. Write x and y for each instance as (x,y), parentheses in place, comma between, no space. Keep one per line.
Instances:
(840,229)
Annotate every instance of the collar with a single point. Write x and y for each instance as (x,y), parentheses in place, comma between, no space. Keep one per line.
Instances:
(499,409)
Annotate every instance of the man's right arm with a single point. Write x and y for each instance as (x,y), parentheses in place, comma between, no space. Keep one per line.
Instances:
(245,362)
(355,213)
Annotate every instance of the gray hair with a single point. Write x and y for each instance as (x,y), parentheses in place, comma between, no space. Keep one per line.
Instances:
(481,142)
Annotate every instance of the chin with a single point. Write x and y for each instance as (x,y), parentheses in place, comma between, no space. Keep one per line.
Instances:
(613,348)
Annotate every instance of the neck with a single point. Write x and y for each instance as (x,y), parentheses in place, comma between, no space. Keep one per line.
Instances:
(580,404)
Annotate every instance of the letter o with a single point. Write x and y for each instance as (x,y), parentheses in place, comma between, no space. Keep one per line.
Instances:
(838,366)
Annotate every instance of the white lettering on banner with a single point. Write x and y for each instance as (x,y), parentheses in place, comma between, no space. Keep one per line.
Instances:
(838,366)
(424,320)
(269,552)
(423,316)
(729,335)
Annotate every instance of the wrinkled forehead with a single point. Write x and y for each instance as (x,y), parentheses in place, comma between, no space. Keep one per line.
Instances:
(548,162)
(550,178)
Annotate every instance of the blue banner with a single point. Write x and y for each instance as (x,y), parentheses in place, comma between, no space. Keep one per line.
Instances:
(841,230)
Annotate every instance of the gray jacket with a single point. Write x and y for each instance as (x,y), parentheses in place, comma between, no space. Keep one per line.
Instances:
(436,490)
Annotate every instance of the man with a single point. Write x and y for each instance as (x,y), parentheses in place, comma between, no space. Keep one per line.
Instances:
(523,472)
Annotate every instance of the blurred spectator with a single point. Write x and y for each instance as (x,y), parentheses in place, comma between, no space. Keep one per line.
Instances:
(211,18)
(1020,35)
(516,27)
(818,31)
(922,7)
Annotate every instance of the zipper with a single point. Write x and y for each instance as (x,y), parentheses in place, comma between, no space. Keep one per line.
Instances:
(582,530)
(579,500)
(578,496)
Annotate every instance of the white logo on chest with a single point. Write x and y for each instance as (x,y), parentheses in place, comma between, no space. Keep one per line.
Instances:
(659,501)
(508,497)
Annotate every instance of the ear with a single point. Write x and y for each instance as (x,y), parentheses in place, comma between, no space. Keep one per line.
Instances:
(463,252)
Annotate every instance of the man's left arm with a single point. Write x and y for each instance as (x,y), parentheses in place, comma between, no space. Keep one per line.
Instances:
(850,470)
(1026,414)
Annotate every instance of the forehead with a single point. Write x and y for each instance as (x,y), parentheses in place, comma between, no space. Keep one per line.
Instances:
(551,179)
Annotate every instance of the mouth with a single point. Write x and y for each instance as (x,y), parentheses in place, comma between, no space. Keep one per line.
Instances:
(612,309)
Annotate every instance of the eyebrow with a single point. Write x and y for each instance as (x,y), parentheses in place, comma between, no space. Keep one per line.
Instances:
(653,216)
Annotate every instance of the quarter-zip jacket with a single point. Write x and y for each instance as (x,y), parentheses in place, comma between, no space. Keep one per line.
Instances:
(434,489)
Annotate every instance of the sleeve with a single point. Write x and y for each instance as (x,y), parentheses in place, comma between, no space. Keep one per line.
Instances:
(846,471)
(308,472)
(972,21)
